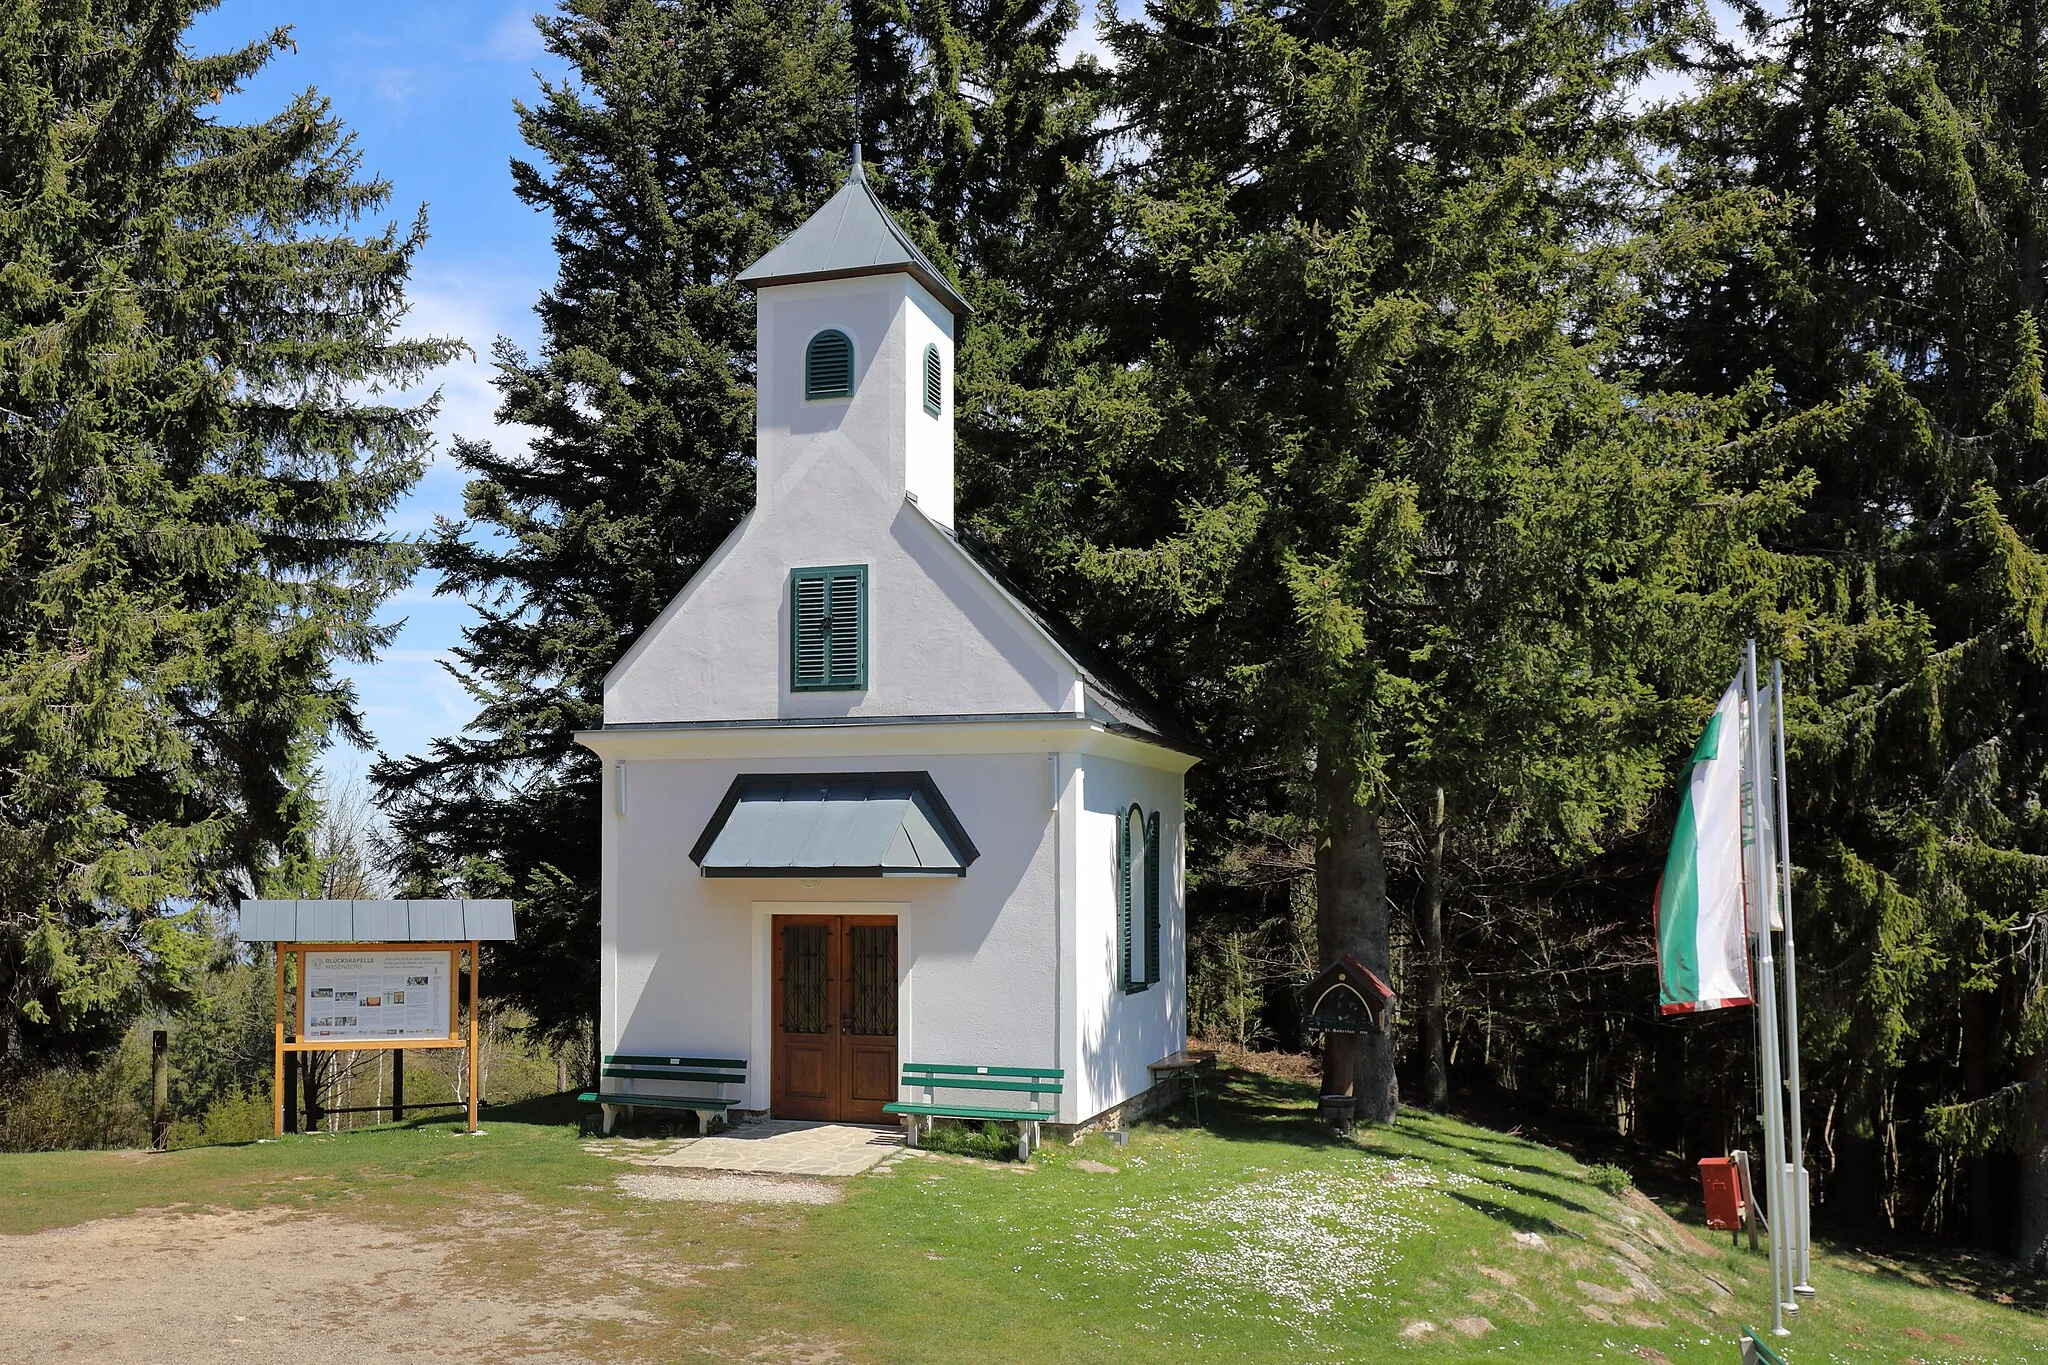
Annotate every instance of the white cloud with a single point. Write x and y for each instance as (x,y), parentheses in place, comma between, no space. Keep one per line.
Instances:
(475,308)
(514,39)
(395,84)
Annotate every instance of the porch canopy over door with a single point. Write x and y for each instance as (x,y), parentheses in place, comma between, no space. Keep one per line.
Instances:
(834,825)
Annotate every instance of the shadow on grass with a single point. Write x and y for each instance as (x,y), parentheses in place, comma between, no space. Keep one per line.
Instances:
(1249,1106)
(548,1111)
(1514,1218)
(1981,1275)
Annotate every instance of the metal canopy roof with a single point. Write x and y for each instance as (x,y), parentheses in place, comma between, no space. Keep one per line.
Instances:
(851,235)
(328,921)
(834,825)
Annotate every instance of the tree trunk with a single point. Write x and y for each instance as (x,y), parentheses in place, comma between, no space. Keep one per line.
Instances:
(2030,1241)
(1979,1178)
(1351,917)
(1436,1071)
(1853,1184)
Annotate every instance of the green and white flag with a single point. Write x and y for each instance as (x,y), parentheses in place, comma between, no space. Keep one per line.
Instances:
(1702,930)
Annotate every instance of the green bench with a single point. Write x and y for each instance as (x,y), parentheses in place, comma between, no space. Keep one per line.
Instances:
(714,1071)
(932,1077)
(1755,1352)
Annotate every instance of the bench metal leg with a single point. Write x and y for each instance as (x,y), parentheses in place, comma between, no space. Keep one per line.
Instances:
(611,1114)
(1024,1140)
(910,1130)
(704,1117)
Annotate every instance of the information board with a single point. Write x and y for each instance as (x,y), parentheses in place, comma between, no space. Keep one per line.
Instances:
(377,995)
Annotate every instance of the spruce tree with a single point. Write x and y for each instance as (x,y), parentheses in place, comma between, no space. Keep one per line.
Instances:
(1402,530)
(1892,291)
(194,468)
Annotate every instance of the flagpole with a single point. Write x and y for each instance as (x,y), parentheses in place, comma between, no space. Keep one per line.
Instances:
(1767,999)
(1801,1195)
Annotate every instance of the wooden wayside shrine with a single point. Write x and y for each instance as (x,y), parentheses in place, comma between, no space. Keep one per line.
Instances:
(1347,998)
(375,975)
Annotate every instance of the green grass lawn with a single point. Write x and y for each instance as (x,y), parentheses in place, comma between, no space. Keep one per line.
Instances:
(1259,1235)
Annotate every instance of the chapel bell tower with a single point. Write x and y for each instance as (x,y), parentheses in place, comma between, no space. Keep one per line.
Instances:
(854,355)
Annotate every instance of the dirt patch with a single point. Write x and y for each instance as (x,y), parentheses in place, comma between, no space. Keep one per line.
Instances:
(731,1189)
(267,1286)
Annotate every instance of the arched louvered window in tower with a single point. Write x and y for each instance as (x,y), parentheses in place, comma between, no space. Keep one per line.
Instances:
(934,381)
(828,629)
(828,365)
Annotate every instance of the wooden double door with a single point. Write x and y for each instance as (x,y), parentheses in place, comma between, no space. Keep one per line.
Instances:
(835,1017)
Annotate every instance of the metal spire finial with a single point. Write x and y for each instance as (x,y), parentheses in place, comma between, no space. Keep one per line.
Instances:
(855,169)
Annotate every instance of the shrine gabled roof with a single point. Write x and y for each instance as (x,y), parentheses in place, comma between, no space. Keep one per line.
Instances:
(851,235)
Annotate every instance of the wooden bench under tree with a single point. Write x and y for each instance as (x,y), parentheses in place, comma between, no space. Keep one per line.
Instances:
(713,1071)
(933,1077)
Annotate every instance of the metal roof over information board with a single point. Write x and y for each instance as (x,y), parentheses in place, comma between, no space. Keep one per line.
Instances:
(834,825)
(337,921)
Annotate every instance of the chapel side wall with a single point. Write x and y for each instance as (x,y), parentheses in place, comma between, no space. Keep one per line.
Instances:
(978,955)
(1121,1034)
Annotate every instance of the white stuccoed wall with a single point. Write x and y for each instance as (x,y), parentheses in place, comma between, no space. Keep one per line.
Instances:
(1119,1034)
(832,478)
(890,319)
(687,957)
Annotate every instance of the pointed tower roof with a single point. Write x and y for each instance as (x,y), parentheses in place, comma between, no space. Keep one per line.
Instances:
(851,235)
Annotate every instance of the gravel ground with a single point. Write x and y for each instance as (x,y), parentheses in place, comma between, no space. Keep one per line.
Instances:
(731,1189)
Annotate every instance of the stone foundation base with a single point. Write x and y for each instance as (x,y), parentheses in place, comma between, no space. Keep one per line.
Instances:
(1136,1109)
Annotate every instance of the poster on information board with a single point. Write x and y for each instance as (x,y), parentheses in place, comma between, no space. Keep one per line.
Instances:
(377,995)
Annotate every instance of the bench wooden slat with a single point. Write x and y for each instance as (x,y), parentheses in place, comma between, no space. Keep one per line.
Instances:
(952,1069)
(971,1083)
(723,1063)
(657,1101)
(962,1111)
(650,1073)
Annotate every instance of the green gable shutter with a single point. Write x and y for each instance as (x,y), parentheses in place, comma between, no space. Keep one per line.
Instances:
(1152,898)
(934,381)
(828,629)
(828,366)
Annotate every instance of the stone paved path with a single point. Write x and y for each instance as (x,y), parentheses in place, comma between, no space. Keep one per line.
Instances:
(788,1147)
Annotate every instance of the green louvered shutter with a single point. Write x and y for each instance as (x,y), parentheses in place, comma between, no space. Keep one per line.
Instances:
(934,381)
(828,366)
(828,629)
(1124,899)
(1152,898)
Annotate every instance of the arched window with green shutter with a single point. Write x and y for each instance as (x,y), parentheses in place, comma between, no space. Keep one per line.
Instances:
(1136,935)
(934,381)
(828,629)
(1152,876)
(828,365)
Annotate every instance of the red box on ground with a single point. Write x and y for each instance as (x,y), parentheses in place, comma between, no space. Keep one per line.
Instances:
(1723,1191)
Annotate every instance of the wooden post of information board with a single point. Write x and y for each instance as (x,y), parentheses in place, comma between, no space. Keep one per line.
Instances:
(473,944)
(277,1070)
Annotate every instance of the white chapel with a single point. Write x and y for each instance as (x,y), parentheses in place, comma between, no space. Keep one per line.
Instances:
(876,830)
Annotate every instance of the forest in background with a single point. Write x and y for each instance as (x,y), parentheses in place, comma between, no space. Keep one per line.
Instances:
(1425,398)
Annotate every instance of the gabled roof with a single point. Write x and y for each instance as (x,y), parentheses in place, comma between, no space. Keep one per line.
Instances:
(851,235)
(1112,694)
